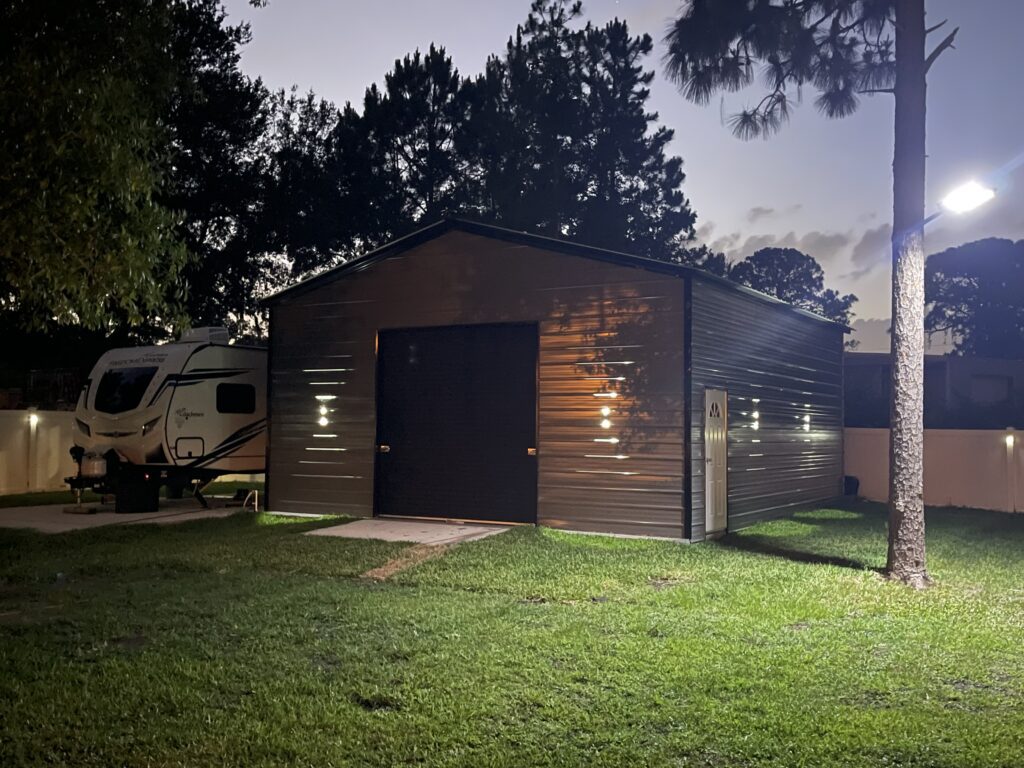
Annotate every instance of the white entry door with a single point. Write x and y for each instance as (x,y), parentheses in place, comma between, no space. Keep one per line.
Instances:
(716,420)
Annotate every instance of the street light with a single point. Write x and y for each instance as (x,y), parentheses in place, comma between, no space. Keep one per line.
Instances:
(963,199)
(967,197)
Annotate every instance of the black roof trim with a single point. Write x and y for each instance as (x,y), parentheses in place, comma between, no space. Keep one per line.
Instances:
(444,226)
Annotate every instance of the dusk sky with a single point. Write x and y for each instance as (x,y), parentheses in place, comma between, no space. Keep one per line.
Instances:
(823,186)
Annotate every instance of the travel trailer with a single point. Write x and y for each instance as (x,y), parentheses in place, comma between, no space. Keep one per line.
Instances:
(172,414)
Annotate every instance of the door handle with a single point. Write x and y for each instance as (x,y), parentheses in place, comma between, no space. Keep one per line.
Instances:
(531,451)
(383,449)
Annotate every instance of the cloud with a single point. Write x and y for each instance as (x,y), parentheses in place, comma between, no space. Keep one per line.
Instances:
(762,212)
(704,231)
(823,246)
(759,212)
(755,243)
(872,249)
(725,243)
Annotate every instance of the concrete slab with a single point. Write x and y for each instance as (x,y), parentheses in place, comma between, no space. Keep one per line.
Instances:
(52,518)
(414,531)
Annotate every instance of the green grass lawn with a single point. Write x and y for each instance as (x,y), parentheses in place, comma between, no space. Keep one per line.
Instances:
(240,642)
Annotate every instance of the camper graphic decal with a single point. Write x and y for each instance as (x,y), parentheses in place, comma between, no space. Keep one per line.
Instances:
(232,443)
(197,376)
(182,415)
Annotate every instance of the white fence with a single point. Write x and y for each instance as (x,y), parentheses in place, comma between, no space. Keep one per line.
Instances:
(34,450)
(962,467)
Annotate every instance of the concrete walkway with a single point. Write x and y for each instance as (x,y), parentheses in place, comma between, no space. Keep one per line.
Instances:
(52,518)
(433,532)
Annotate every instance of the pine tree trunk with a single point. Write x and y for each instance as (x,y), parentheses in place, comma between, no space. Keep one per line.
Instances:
(906,560)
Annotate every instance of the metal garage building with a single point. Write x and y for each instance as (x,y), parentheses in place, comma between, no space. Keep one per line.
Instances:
(468,371)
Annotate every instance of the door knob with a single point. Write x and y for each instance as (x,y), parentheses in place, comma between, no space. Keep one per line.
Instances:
(383,449)
(531,451)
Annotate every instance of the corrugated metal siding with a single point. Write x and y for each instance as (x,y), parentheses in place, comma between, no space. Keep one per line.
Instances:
(793,366)
(604,328)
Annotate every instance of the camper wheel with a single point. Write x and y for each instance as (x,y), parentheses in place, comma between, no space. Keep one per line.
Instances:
(136,492)
(176,487)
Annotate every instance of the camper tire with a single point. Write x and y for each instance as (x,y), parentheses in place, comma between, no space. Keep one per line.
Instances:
(136,493)
(176,488)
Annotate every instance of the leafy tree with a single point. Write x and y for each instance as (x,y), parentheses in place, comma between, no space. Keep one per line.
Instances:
(298,224)
(218,121)
(842,49)
(974,291)
(704,258)
(559,141)
(794,277)
(84,236)
(633,198)
(414,122)
(526,115)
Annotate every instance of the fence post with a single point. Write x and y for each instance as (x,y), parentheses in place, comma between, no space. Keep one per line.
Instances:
(1011,469)
(30,448)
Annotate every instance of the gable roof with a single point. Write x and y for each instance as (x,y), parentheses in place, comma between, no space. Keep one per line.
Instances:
(445,226)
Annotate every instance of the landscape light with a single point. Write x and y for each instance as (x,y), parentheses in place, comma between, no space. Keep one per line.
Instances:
(967,197)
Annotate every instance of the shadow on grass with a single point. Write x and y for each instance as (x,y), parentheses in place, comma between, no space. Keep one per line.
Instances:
(853,535)
(835,536)
(771,547)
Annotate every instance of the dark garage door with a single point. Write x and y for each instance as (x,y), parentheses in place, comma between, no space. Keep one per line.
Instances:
(456,410)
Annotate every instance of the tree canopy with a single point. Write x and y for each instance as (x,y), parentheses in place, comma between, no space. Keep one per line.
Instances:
(148,181)
(794,277)
(974,291)
(560,141)
(841,48)
(84,235)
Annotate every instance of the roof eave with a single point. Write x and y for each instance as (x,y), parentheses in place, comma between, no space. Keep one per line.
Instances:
(444,226)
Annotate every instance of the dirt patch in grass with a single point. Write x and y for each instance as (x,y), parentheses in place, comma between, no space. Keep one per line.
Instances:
(133,642)
(407,559)
(376,702)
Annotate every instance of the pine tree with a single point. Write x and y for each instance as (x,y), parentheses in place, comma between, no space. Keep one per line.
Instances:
(843,49)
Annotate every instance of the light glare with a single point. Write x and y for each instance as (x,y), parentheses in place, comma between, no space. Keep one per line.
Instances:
(967,197)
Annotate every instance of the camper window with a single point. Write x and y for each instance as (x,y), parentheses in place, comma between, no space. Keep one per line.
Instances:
(236,398)
(122,389)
